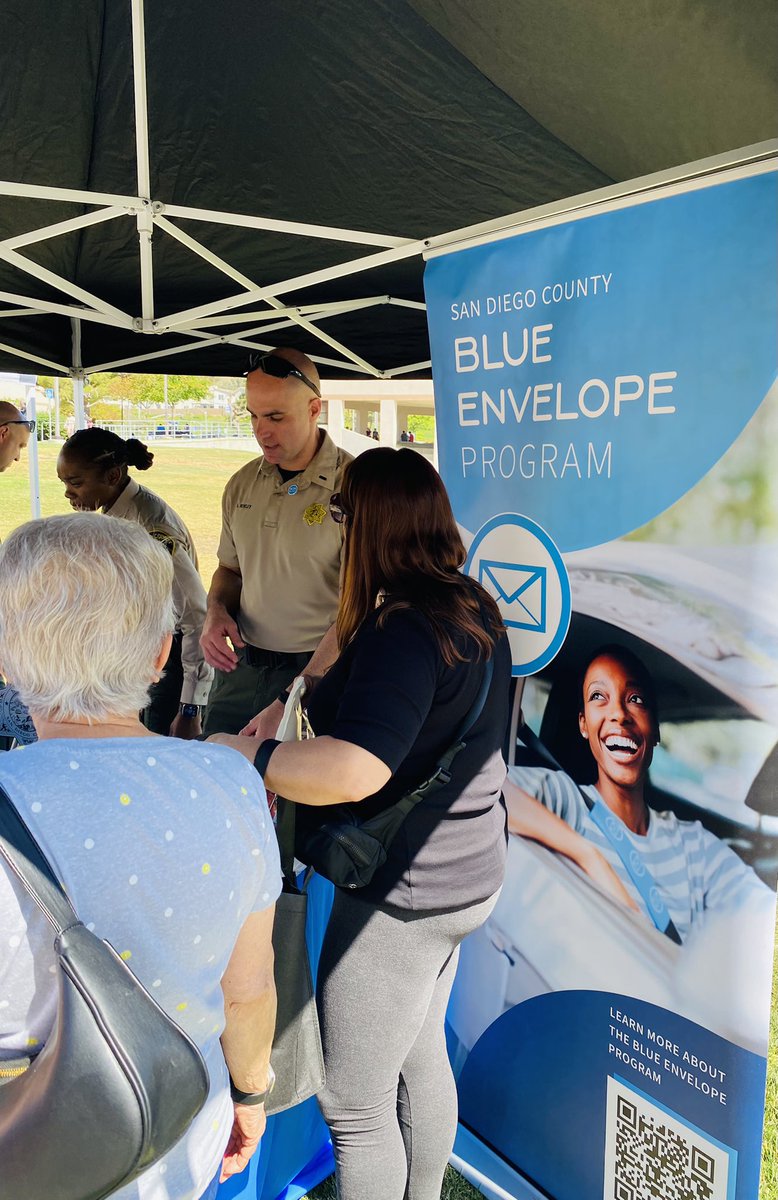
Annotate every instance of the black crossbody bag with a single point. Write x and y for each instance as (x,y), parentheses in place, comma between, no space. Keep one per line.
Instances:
(117,1082)
(348,850)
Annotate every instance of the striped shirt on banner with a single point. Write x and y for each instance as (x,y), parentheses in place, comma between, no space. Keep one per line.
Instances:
(694,870)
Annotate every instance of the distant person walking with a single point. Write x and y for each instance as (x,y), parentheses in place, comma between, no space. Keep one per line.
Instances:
(93,464)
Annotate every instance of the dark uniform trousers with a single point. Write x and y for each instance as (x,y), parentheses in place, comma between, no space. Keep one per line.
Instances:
(237,696)
(165,696)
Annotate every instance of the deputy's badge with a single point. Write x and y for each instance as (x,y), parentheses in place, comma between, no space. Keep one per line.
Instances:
(170,543)
(314,514)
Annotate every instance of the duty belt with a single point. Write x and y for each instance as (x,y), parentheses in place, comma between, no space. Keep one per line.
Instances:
(255,656)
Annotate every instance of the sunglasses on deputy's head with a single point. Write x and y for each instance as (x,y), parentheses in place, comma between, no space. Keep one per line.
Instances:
(30,424)
(279,368)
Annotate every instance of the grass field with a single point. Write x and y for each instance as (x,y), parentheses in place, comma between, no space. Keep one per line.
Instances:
(191,479)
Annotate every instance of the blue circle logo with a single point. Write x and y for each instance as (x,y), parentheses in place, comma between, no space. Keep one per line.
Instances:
(522,569)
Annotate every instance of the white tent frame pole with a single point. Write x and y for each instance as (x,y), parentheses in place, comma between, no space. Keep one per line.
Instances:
(216,261)
(325,275)
(393,372)
(62,227)
(42,307)
(139,358)
(131,204)
(145,232)
(203,344)
(64,285)
(144,218)
(21,312)
(33,191)
(719,168)
(316,311)
(36,358)
(296,228)
(77,375)
(417,304)
(237,339)
(33,469)
(141,100)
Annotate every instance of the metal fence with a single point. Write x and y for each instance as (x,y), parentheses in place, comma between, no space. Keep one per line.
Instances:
(153,431)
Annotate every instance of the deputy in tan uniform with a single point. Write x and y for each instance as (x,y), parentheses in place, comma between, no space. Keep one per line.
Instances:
(93,464)
(274,596)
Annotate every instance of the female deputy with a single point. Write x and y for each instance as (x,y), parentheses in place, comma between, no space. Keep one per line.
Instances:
(672,871)
(93,466)
(165,847)
(414,635)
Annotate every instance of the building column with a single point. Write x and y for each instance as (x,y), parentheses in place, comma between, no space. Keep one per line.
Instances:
(387,421)
(335,417)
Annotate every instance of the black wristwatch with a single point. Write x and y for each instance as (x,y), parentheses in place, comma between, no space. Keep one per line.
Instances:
(254,1097)
(190,710)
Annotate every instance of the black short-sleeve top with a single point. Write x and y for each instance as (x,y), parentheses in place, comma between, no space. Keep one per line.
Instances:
(392,693)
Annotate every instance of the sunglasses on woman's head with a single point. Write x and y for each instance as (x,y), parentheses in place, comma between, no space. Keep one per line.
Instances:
(279,368)
(337,511)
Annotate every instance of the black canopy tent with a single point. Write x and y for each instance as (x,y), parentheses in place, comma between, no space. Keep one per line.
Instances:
(180,174)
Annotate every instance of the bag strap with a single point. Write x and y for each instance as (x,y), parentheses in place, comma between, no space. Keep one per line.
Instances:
(285,827)
(441,776)
(31,867)
(609,827)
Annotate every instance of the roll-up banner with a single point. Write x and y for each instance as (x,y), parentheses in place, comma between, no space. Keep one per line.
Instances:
(607,424)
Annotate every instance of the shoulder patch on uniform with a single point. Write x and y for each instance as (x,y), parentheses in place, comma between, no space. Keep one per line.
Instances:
(170,543)
(314,514)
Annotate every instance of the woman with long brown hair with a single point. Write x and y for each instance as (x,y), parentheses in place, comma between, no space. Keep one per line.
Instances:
(415,635)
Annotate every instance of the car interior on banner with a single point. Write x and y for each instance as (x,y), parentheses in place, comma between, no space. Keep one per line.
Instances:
(709,645)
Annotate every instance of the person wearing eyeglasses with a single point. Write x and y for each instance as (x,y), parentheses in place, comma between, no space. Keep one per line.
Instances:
(15,433)
(15,723)
(274,596)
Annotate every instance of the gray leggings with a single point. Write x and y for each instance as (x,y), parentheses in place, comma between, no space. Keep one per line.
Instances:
(390,1101)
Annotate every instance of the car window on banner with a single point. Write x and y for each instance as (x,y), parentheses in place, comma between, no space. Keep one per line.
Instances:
(607,416)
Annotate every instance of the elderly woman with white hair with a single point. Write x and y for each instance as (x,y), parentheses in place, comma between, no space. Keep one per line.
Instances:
(164,846)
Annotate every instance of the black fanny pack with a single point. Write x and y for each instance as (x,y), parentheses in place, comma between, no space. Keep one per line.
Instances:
(347,850)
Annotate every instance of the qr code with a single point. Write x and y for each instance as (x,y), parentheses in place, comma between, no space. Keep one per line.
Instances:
(653,1154)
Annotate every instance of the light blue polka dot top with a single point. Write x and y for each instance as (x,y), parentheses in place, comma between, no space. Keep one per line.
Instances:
(165,847)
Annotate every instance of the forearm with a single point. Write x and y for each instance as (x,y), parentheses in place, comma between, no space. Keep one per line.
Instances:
(189,604)
(248,1037)
(529,818)
(324,655)
(265,723)
(322,771)
(225,590)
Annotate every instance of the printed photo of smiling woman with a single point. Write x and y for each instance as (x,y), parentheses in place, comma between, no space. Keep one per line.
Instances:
(670,871)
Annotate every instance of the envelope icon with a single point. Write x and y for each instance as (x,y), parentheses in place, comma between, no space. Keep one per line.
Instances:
(520,591)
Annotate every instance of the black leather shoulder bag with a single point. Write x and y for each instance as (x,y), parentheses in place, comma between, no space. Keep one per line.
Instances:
(117,1082)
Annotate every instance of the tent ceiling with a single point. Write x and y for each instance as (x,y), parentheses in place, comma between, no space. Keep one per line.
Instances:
(398,118)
